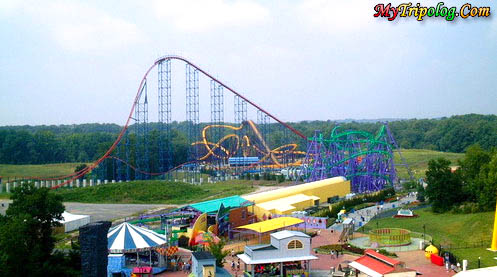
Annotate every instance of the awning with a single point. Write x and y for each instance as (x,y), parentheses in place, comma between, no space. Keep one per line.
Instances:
(272,224)
(248,260)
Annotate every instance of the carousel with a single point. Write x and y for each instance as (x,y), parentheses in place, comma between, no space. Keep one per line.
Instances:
(133,248)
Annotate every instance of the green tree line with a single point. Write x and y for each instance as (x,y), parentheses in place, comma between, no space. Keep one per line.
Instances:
(87,142)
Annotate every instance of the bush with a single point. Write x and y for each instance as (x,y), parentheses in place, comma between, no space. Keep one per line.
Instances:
(330,221)
(363,205)
(328,248)
(353,249)
(266,176)
(311,233)
(257,177)
(386,253)
(281,178)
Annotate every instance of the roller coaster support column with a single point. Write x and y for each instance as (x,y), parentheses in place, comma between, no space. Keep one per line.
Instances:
(141,127)
(240,108)
(217,117)
(192,118)
(263,123)
(164,92)
(127,154)
(315,158)
(404,163)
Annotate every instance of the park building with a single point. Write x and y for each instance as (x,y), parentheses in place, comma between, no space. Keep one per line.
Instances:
(284,201)
(288,254)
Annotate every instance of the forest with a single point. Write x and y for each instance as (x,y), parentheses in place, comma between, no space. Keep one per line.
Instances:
(86,142)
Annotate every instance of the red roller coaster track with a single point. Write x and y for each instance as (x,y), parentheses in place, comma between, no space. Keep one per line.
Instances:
(107,154)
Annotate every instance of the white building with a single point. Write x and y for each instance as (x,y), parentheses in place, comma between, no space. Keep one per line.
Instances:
(288,253)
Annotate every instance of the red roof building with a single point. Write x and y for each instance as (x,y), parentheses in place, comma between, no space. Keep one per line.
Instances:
(375,264)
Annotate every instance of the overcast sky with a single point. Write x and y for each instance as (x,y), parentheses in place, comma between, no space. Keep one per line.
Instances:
(64,62)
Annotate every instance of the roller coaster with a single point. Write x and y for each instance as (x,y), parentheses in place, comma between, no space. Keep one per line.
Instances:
(213,142)
(129,157)
(365,159)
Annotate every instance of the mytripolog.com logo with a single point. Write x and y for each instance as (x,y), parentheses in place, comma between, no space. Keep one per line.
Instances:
(420,12)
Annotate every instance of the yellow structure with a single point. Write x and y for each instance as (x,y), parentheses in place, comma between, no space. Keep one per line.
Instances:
(272,224)
(430,250)
(199,226)
(493,247)
(297,198)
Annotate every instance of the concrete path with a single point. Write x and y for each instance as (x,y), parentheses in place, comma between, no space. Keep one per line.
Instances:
(103,211)
(368,213)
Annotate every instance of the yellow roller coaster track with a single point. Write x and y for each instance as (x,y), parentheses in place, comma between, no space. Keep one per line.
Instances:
(245,145)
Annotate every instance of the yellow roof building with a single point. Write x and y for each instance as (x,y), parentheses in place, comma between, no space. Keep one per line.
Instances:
(286,200)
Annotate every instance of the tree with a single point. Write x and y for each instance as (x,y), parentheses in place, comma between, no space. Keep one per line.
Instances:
(487,184)
(444,186)
(407,186)
(471,166)
(26,242)
(217,251)
(421,193)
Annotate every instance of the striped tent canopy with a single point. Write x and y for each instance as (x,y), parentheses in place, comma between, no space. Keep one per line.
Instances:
(129,238)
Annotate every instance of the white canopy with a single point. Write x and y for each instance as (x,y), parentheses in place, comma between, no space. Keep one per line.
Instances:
(72,222)
(126,237)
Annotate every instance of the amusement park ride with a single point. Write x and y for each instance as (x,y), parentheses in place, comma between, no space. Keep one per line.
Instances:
(234,147)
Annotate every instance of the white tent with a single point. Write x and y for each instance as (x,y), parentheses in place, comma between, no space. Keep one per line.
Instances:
(72,222)
(126,237)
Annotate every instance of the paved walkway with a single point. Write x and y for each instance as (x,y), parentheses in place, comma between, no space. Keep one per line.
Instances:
(368,213)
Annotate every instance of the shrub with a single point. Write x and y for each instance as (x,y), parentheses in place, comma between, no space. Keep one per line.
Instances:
(353,249)
(386,253)
(328,248)
(257,177)
(311,233)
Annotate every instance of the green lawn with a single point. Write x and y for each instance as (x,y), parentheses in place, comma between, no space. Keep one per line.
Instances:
(417,159)
(43,170)
(158,192)
(454,229)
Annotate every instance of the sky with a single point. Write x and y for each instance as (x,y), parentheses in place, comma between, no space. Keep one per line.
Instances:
(71,62)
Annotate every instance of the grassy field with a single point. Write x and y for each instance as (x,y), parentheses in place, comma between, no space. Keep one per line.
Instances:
(43,170)
(417,159)
(154,192)
(454,229)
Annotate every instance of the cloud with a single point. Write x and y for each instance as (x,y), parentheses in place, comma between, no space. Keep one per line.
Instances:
(78,27)
(200,16)
(332,15)
(335,16)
